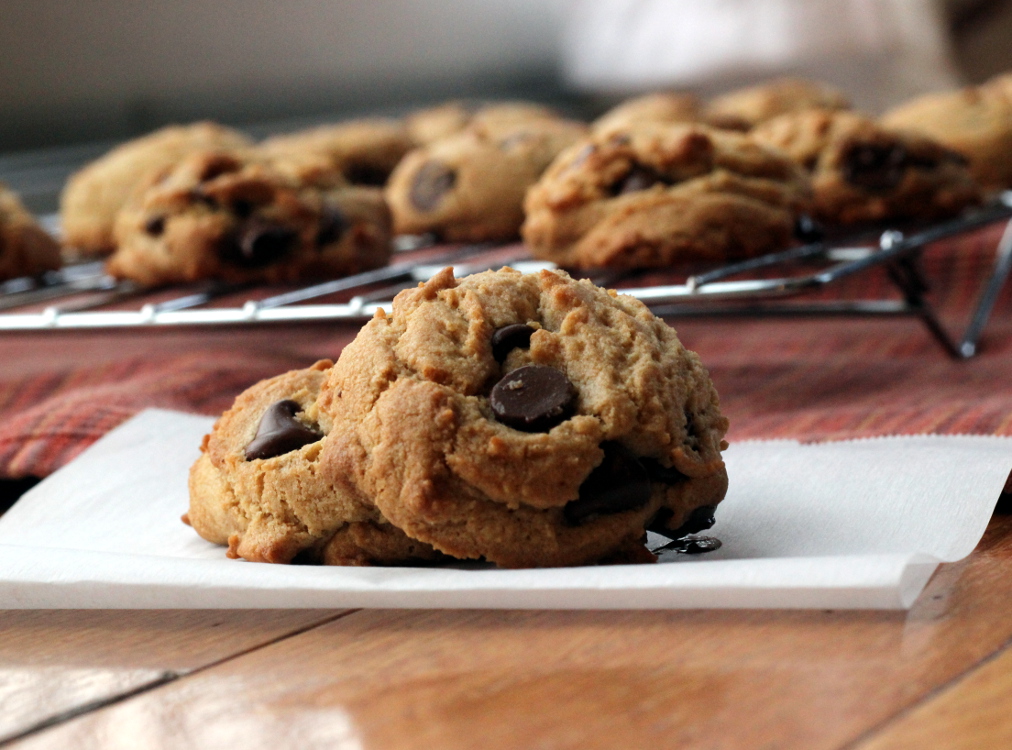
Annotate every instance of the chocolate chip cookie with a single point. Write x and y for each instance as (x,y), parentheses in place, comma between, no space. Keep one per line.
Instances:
(863,172)
(26,249)
(364,151)
(258,485)
(94,195)
(975,121)
(655,195)
(470,186)
(529,420)
(743,109)
(661,107)
(433,123)
(242,218)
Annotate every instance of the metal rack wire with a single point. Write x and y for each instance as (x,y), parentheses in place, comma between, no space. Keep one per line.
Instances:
(74,298)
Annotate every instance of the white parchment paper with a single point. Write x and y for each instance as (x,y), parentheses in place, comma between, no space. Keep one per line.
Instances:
(855,524)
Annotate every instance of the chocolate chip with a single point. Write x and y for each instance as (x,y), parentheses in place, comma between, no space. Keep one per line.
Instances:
(242,208)
(333,225)
(662,474)
(155,226)
(875,166)
(366,174)
(280,432)
(508,338)
(618,484)
(534,398)
(638,178)
(431,183)
(259,243)
(808,230)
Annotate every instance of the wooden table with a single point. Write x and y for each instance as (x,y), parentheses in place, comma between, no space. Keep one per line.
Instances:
(939,675)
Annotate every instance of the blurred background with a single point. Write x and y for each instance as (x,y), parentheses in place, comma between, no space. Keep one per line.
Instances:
(76,77)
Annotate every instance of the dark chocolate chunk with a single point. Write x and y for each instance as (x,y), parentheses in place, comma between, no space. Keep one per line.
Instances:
(619,483)
(259,243)
(692,545)
(155,226)
(662,474)
(333,225)
(508,338)
(431,183)
(242,208)
(280,432)
(371,175)
(875,166)
(534,398)
(639,178)
(808,230)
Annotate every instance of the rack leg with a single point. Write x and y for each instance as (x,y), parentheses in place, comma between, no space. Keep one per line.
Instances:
(906,274)
(1002,267)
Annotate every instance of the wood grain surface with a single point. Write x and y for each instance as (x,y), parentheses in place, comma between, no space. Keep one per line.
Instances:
(57,662)
(485,679)
(973,714)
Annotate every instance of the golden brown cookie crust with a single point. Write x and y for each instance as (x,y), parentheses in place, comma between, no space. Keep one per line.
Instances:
(655,195)
(975,121)
(273,509)
(364,151)
(243,218)
(26,249)
(659,107)
(414,432)
(95,194)
(434,123)
(745,108)
(864,172)
(471,186)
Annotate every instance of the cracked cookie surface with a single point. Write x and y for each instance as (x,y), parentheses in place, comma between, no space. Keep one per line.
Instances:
(656,194)
(527,420)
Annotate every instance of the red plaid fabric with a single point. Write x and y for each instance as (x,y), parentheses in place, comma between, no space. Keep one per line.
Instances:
(812,379)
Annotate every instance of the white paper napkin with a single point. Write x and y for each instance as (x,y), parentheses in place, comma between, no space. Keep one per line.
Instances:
(856,524)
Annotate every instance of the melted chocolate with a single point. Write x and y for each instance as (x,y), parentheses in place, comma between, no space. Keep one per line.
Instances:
(693,545)
(280,432)
(619,483)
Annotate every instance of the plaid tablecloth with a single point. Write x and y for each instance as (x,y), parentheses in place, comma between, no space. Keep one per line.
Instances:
(813,379)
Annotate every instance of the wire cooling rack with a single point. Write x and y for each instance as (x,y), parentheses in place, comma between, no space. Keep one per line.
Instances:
(82,297)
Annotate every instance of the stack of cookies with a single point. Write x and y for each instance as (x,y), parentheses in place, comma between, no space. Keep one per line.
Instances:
(524,420)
